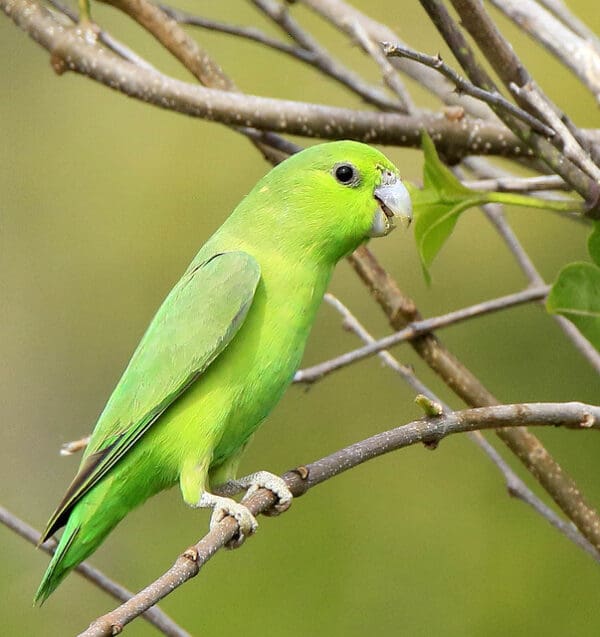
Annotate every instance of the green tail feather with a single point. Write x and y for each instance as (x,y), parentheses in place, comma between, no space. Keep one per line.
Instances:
(59,567)
(88,525)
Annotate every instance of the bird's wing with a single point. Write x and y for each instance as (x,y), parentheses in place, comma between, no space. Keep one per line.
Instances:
(196,322)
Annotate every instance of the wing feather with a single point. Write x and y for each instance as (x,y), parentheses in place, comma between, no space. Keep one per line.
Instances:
(195,323)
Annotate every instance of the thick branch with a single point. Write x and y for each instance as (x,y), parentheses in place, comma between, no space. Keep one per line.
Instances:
(300,480)
(72,51)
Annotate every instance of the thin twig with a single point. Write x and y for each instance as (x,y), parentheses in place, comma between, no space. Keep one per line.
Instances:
(416,329)
(246,32)
(561,11)
(530,94)
(106,38)
(405,372)
(496,216)
(323,60)
(428,430)
(154,616)
(388,72)
(493,98)
(579,56)
(518,184)
(319,58)
(343,16)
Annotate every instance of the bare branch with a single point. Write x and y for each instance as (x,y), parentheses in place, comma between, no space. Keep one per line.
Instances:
(400,310)
(112,43)
(493,98)
(495,215)
(323,60)
(344,17)
(581,57)
(389,73)
(561,11)
(318,58)
(430,430)
(530,94)
(418,328)
(510,69)
(72,52)
(154,616)
(516,487)
(518,184)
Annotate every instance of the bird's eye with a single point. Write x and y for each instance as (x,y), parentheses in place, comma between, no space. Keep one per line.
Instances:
(346,174)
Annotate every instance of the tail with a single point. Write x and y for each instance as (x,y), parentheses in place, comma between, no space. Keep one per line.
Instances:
(90,521)
(63,561)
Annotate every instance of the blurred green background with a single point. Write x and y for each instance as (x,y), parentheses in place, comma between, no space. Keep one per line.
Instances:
(103,203)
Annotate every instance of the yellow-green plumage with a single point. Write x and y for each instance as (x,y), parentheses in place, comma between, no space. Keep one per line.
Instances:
(224,345)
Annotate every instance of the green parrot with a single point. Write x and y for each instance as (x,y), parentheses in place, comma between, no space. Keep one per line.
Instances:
(224,346)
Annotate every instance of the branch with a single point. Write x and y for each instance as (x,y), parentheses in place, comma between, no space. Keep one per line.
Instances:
(572,149)
(579,56)
(71,51)
(510,69)
(345,17)
(515,486)
(114,45)
(154,616)
(493,98)
(430,430)
(518,184)
(495,215)
(323,60)
(388,72)
(400,310)
(418,328)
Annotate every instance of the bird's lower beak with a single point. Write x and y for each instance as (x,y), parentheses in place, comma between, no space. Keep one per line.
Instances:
(394,203)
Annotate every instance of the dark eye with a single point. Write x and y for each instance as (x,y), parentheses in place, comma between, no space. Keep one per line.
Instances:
(345,173)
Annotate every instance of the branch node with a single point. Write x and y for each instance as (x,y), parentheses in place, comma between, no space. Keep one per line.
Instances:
(454,113)
(302,471)
(191,554)
(116,629)
(58,64)
(587,421)
(432,444)
(430,407)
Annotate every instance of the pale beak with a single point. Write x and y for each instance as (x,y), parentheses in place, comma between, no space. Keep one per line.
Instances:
(394,203)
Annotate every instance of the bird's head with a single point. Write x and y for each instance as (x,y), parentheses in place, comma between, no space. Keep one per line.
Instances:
(330,198)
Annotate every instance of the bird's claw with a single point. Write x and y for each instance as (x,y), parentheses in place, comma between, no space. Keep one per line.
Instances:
(247,523)
(275,484)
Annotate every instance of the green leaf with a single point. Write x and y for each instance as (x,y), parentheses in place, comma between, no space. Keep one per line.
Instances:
(438,204)
(576,296)
(594,243)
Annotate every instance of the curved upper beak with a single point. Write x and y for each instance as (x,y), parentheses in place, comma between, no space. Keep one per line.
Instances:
(394,200)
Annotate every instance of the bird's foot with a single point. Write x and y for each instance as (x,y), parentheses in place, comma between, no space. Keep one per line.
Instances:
(275,484)
(222,507)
